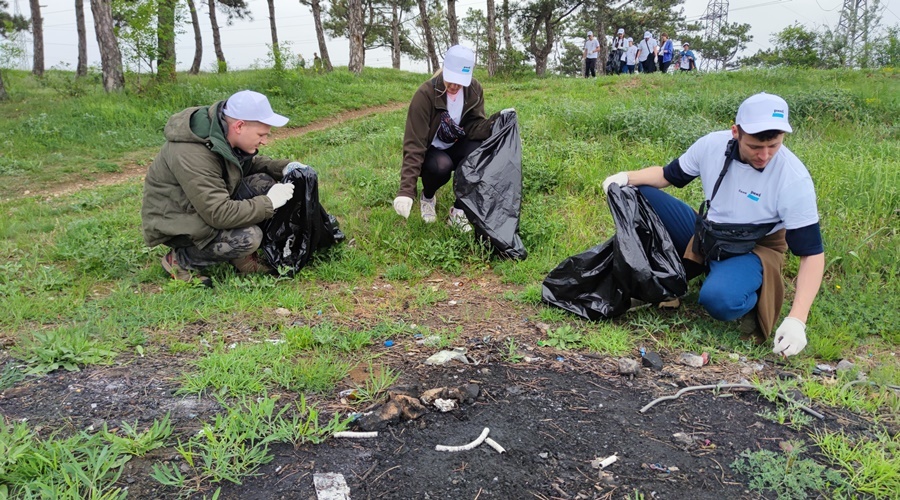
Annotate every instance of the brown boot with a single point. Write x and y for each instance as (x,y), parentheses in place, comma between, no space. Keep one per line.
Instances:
(181,274)
(750,329)
(251,264)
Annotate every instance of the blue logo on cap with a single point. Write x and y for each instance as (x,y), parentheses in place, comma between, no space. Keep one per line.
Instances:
(466,69)
(778,113)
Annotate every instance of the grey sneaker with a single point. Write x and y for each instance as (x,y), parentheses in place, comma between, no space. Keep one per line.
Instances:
(458,220)
(428,206)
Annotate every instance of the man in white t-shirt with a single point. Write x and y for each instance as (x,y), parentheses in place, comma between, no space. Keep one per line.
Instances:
(591,50)
(764,183)
(646,53)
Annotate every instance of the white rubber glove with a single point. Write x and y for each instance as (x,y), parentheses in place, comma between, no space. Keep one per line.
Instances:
(294,165)
(790,337)
(402,205)
(508,110)
(621,179)
(280,194)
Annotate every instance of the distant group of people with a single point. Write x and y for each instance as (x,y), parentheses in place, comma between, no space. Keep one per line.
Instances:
(646,56)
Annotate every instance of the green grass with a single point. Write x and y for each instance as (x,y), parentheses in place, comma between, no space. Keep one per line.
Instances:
(78,287)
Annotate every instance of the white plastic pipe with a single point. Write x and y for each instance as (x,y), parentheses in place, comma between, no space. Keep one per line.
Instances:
(465,447)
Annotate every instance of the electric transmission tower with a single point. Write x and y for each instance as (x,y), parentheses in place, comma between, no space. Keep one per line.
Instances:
(21,41)
(853,30)
(716,16)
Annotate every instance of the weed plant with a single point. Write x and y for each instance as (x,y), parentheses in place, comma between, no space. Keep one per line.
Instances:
(787,475)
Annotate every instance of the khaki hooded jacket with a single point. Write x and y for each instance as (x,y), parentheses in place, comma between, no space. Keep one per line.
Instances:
(189,187)
(423,119)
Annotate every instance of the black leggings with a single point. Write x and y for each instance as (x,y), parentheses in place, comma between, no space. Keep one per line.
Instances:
(438,167)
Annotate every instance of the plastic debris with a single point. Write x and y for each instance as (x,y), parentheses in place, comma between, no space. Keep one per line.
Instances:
(443,357)
(331,486)
(388,343)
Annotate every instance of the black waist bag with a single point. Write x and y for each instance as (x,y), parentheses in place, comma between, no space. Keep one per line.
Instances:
(720,240)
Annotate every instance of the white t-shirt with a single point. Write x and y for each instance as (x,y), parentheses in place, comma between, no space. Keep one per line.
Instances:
(590,46)
(646,47)
(619,43)
(630,55)
(783,191)
(455,108)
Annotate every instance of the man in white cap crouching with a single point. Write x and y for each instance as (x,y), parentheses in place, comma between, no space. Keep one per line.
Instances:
(207,190)
(758,189)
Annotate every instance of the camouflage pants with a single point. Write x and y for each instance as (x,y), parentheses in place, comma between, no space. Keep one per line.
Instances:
(229,244)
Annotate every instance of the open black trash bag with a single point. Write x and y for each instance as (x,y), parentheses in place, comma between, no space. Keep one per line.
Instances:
(489,185)
(301,226)
(639,261)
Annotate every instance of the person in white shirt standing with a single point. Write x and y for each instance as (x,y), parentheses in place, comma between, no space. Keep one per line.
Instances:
(629,58)
(591,50)
(619,46)
(751,182)
(646,53)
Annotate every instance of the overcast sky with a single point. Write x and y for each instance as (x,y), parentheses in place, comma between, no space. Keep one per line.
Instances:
(245,42)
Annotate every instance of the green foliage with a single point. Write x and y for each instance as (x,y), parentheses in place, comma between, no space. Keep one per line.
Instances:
(380,379)
(236,443)
(787,475)
(67,347)
(138,443)
(10,375)
(512,354)
(564,337)
(871,463)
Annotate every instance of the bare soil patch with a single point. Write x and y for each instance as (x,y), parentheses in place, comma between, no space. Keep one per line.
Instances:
(554,415)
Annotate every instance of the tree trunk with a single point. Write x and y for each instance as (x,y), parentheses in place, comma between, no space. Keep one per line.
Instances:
(395,35)
(507,38)
(276,50)
(355,27)
(453,22)
(492,38)
(429,37)
(217,40)
(37,32)
(316,7)
(165,40)
(81,70)
(198,39)
(110,57)
(3,95)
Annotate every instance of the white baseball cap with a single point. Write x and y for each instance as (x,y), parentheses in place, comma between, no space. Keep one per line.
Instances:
(647,34)
(630,39)
(762,112)
(459,62)
(590,33)
(621,31)
(252,106)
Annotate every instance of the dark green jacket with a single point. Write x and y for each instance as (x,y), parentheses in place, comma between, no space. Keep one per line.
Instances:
(422,122)
(189,187)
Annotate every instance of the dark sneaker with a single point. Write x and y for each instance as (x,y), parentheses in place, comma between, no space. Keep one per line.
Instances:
(179,273)
(251,265)
(750,329)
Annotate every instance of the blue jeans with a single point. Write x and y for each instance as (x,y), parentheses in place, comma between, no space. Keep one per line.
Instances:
(732,285)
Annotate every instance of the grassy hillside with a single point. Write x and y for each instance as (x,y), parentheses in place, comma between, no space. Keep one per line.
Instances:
(79,287)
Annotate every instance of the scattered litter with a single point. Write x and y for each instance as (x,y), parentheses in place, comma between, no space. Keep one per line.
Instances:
(331,486)
(275,341)
(451,303)
(628,366)
(544,454)
(599,463)
(682,439)
(825,368)
(531,359)
(388,343)
(431,340)
(560,358)
(465,447)
(660,468)
(493,444)
(281,311)
(443,357)
(356,435)
(349,394)
(445,405)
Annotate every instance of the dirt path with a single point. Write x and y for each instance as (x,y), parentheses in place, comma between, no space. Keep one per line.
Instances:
(132,170)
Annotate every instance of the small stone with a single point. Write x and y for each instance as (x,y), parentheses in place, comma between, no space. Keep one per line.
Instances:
(825,368)
(691,359)
(451,303)
(652,361)
(844,365)
(628,366)
(282,312)
(544,454)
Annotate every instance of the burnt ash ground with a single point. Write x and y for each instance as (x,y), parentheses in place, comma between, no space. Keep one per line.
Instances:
(553,415)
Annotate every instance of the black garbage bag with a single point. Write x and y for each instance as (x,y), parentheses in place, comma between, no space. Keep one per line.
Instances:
(301,226)
(489,185)
(639,261)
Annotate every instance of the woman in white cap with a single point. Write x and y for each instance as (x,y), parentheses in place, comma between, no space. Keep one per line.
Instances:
(619,46)
(686,58)
(646,53)
(444,124)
